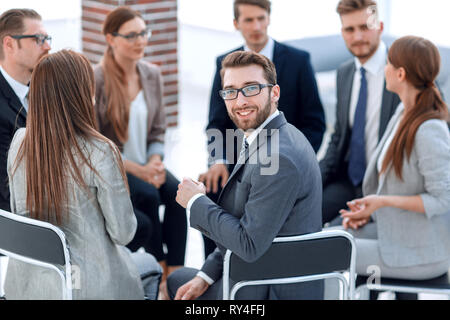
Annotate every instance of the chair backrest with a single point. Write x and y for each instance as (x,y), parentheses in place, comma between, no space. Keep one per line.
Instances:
(38,243)
(295,259)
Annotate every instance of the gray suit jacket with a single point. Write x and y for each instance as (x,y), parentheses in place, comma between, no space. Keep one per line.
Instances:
(410,238)
(97,228)
(253,208)
(336,157)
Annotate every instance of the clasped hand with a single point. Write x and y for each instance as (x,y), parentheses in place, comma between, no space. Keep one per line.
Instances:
(360,211)
(154,172)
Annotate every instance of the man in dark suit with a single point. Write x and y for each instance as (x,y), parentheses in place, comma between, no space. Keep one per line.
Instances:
(274,189)
(23,41)
(300,101)
(364,107)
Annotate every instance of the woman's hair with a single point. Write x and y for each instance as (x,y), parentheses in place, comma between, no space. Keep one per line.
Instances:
(61,111)
(116,86)
(421,60)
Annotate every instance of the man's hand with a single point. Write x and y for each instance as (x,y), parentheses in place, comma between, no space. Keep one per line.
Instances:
(192,290)
(211,177)
(187,189)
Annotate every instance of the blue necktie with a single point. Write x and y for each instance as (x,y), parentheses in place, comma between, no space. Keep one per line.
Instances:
(357,162)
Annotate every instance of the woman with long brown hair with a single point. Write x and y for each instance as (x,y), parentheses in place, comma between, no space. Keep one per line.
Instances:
(130,112)
(61,170)
(407,182)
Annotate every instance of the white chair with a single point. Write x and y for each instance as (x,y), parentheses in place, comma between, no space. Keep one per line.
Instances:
(38,243)
(439,285)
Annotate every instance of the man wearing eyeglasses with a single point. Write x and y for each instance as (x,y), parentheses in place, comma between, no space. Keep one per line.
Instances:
(256,205)
(300,101)
(23,42)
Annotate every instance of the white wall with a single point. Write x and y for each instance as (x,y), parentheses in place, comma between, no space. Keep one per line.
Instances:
(290,19)
(429,19)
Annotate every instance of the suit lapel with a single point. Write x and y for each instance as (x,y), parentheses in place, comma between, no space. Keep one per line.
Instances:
(347,86)
(12,98)
(388,106)
(373,183)
(276,123)
(278,58)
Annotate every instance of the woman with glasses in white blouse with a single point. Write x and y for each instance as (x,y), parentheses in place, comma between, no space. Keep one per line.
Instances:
(130,112)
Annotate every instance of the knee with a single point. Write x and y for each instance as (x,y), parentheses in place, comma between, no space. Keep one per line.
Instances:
(173,284)
(178,278)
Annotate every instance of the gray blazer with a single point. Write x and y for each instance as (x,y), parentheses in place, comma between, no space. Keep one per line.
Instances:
(253,208)
(410,238)
(97,228)
(337,154)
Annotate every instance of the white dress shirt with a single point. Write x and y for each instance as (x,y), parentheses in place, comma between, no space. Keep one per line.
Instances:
(388,142)
(19,89)
(267,51)
(375,85)
(135,147)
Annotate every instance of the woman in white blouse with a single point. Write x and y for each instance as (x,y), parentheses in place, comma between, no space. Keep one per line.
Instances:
(402,225)
(131,113)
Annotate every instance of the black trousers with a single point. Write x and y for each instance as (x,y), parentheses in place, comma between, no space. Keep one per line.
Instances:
(151,233)
(336,194)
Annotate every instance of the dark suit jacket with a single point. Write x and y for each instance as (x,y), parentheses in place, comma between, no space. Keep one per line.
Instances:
(12,117)
(299,101)
(254,207)
(336,158)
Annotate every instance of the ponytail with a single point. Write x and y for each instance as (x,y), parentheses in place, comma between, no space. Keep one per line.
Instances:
(428,105)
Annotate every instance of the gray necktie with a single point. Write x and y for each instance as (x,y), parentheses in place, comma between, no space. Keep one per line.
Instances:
(244,150)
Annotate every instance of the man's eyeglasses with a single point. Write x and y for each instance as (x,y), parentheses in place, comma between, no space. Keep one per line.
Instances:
(40,38)
(133,36)
(247,91)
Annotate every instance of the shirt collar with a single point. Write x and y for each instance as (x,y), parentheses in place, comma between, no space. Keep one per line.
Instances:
(255,133)
(267,51)
(19,89)
(376,63)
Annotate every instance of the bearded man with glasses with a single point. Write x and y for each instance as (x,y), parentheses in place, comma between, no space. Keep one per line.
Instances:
(256,204)
(300,101)
(23,42)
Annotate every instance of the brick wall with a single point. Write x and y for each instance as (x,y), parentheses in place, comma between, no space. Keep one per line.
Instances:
(161,17)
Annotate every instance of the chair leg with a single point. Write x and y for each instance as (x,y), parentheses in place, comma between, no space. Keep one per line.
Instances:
(2,292)
(362,292)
